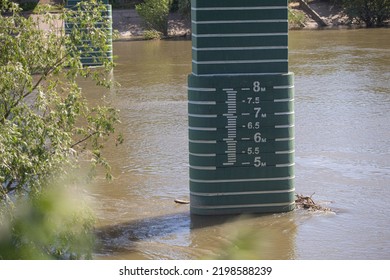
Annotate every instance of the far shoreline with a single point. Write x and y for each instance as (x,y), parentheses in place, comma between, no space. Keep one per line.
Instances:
(129,25)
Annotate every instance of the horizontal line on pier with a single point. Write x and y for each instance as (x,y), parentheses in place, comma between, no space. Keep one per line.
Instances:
(203,167)
(243,206)
(203,141)
(240,21)
(284,152)
(202,155)
(242,180)
(283,87)
(237,74)
(284,113)
(240,8)
(284,100)
(284,139)
(202,89)
(285,126)
(242,193)
(203,128)
(240,61)
(284,165)
(241,48)
(203,102)
(240,35)
(202,116)
(87,53)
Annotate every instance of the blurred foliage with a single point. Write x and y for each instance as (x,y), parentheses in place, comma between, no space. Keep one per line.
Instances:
(50,225)
(246,244)
(256,237)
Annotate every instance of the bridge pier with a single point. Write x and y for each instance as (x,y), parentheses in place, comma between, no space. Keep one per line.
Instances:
(93,56)
(241,108)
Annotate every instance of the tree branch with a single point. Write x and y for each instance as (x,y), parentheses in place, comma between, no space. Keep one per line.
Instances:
(8,188)
(84,139)
(44,76)
(48,71)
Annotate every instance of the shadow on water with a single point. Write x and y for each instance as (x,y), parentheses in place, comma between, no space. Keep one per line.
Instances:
(124,237)
(127,239)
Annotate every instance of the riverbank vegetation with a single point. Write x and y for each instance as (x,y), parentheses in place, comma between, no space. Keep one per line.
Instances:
(336,13)
(155,14)
(368,13)
(359,13)
(373,13)
(48,130)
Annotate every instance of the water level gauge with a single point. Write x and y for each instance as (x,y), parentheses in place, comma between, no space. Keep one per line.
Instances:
(240,108)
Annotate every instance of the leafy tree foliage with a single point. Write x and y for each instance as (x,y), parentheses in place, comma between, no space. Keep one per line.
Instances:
(371,12)
(47,127)
(185,7)
(155,14)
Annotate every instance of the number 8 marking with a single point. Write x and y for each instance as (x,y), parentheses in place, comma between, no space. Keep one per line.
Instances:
(256,86)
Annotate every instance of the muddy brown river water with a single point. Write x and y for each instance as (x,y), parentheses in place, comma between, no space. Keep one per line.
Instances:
(342,95)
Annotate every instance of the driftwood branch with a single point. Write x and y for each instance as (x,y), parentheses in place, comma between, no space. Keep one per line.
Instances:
(306,202)
(313,14)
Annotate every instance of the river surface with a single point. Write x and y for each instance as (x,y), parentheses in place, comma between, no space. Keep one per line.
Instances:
(342,89)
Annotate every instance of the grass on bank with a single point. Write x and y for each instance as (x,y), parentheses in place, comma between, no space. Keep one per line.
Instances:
(296,18)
